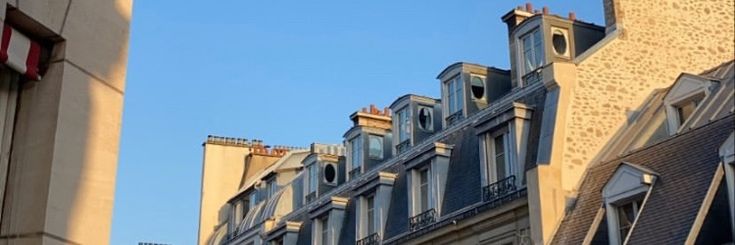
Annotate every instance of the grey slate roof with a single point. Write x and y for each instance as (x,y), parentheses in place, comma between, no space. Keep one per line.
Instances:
(686,164)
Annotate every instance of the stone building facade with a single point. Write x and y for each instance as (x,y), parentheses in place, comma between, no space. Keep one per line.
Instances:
(500,157)
(62,82)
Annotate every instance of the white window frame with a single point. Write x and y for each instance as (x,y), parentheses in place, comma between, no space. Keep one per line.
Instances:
(525,66)
(381,139)
(687,88)
(356,145)
(322,228)
(416,207)
(403,124)
(484,87)
(627,184)
(490,155)
(454,95)
(363,216)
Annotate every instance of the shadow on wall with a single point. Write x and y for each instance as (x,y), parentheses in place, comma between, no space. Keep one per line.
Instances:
(61,179)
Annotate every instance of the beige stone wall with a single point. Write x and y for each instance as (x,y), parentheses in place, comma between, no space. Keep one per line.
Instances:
(658,41)
(61,179)
(222,173)
(649,44)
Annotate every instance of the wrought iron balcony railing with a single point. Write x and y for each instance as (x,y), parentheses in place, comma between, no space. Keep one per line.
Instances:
(310,197)
(403,146)
(372,239)
(422,220)
(355,173)
(499,189)
(532,77)
(456,117)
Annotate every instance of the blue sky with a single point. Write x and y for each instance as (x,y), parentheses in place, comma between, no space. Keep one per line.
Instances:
(289,73)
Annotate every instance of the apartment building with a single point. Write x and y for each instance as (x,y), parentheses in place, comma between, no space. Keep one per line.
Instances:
(62,82)
(509,156)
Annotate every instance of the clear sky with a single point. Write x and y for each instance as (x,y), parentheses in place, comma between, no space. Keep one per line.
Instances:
(289,73)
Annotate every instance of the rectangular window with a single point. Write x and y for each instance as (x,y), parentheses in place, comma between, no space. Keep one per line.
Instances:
(685,110)
(252,200)
(375,143)
(324,232)
(370,214)
(533,53)
(271,188)
(423,190)
(626,216)
(497,155)
(9,89)
(404,125)
(356,152)
(454,95)
(312,178)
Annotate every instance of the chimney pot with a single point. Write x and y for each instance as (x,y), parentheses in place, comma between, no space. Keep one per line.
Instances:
(572,16)
(529,7)
(546,10)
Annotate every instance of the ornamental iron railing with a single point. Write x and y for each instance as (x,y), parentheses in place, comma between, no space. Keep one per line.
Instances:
(372,239)
(422,220)
(532,77)
(310,197)
(355,173)
(403,146)
(499,189)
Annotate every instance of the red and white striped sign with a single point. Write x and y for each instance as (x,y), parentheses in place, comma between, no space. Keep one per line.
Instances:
(20,53)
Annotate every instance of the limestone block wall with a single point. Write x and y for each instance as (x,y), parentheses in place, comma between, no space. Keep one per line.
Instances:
(656,41)
(61,175)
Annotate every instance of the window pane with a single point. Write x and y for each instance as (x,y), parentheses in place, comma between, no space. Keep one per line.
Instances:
(312,178)
(538,51)
(356,153)
(500,157)
(325,230)
(527,54)
(376,147)
(370,215)
(403,125)
(458,94)
(685,111)
(424,190)
(450,96)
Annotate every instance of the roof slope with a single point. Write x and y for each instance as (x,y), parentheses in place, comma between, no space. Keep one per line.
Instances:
(686,164)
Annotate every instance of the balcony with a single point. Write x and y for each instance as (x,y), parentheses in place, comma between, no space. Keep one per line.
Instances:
(403,146)
(355,173)
(372,239)
(422,220)
(533,76)
(500,189)
(454,118)
(310,197)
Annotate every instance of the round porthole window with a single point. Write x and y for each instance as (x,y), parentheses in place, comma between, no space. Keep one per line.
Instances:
(559,40)
(478,88)
(330,174)
(426,121)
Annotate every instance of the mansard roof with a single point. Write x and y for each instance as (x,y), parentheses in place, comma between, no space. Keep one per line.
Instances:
(685,164)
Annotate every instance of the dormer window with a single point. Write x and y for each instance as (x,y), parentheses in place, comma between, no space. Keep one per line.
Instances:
(426,118)
(375,143)
(477,85)
(533,51)
(455,96)
(682,100)
(312,179)
(560,42)
(356,145)
(686,108)
(323,237)
(624,197)
(627,213)
(404,125)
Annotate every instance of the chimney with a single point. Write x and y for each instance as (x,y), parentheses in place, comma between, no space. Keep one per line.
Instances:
(372,117)
(517,15)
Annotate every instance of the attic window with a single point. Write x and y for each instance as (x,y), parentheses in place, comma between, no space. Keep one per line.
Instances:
(478,87)
(426,120)
(330,174)
(560,42)
(685,109)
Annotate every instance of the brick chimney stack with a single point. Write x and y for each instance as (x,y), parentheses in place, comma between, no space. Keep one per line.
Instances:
(372,117)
